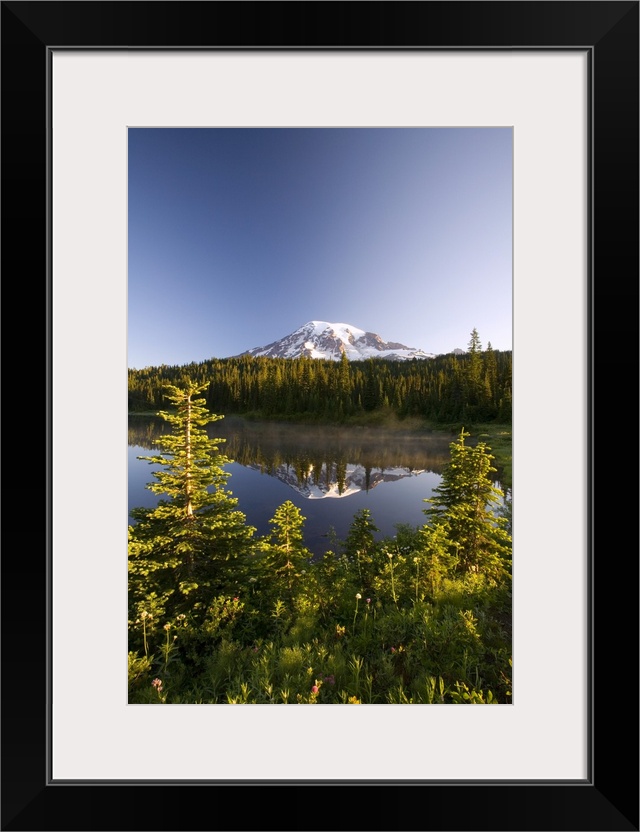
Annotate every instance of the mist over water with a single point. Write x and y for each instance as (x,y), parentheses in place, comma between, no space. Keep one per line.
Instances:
(329,472)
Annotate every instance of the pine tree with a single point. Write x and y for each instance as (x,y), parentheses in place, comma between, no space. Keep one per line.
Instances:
(286,554)
(176,550)
(467,506)
(370,398)
(491,377)
(474,386)
(360,545)
(344,383)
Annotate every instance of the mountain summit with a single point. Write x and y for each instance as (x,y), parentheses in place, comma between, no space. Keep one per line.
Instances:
(320,339)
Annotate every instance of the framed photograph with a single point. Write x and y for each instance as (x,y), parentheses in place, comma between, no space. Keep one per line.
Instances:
(97,100)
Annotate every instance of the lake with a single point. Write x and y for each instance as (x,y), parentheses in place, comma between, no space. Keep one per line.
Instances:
(329,472)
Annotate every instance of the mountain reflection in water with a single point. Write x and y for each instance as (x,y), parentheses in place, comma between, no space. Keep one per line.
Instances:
(334,479)
(389,472)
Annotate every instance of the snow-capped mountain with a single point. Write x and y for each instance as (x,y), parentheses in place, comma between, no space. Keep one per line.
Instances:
(320,339)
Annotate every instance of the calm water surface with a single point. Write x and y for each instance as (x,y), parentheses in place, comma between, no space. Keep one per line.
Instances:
(329,472)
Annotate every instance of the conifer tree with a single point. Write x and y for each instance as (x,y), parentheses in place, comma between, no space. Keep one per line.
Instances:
(491,376)
(286,554)
(467,506)
(360,545)
(371,388)
(344,383)
(474,386)
(176,549)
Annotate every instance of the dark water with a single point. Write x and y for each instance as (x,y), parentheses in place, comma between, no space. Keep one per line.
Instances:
(330,473)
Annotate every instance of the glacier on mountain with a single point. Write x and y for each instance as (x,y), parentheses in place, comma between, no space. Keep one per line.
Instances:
(321,339)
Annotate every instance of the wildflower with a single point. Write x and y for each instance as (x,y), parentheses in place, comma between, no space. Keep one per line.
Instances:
(167,627)
(143,614)
(416,560)
(358,597)
(389,554)
(157,684)
(330,680)
(315,689)
(393,649)
(236,599)
(368,600)
(353,700)
(181,617)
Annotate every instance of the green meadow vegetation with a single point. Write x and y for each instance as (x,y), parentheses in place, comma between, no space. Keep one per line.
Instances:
(220,615)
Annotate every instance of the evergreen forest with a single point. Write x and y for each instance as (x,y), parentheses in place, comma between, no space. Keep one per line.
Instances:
(470,388)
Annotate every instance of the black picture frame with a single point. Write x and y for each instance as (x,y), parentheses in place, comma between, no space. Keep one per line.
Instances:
(608,798)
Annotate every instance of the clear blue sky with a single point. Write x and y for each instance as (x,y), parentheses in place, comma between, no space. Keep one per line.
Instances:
(239,236)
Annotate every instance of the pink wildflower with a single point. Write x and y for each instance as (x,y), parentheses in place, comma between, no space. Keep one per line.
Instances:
(315,689)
